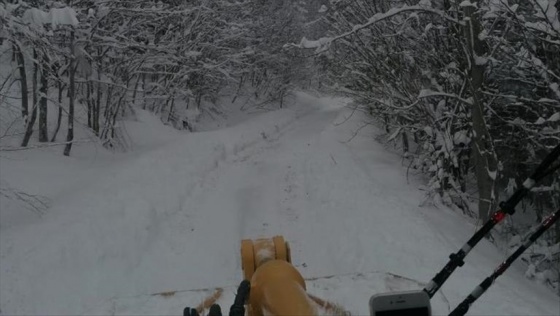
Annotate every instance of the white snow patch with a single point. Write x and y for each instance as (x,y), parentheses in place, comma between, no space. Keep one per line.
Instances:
(264,254)
(554,117)
(480,61)
(555,88)
(460,137)
(492,174)
(55,17)
(540,121)
(63,16)
(467,3)
(36,17)
(319,44)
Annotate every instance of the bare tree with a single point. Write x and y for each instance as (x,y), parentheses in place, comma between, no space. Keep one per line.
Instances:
(43,133)
(71,96)
(485,162)
(31,123)
(22,81)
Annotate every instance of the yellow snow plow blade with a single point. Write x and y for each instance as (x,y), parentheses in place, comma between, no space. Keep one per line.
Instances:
(277,288)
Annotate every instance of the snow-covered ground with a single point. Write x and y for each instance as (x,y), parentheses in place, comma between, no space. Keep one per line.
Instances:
(169,217)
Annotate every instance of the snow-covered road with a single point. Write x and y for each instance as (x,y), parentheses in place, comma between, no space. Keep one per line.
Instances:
(171,219)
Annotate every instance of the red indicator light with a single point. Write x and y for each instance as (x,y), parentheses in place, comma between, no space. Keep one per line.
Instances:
(498,216)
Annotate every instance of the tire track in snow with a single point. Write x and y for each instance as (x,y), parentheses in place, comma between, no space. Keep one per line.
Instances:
(226,194)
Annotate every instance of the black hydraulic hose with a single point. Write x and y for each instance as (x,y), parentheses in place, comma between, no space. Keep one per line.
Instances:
(190,312)
(215,310)
(238,307)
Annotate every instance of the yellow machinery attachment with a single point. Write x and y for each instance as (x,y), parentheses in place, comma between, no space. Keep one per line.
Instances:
(277,288)
(271,286)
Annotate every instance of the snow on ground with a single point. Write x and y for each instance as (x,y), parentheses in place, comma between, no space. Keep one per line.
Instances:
(169,217)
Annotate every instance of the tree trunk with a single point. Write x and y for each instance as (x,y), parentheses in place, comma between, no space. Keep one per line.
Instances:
(23,84)
(198,100)
(282,94)
(135,89)
(31,122)
(171,109)
(34,82)
(238,88)
(116,114)
(71,91)
(483,151)
(107,113)
(404,136)
(144,91)
(90,105)
(97,104)
(59,119)
(43,132)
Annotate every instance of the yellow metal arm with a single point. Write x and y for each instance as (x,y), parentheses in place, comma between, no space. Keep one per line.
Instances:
(277,288)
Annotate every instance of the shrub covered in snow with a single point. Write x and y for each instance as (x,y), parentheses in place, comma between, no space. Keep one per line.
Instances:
(476,111)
